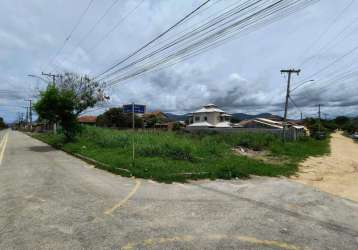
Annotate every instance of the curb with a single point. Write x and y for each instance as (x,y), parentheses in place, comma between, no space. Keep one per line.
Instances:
(84,158)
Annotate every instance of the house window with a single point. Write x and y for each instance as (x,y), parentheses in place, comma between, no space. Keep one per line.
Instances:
(205,118)
(197,118)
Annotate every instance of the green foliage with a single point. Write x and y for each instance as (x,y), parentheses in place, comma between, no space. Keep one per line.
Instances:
(63,101)
(341,121)
(86,92)
(57,105)
(351,126)
(116,118)
(152,119)
(2,123)
(171,156)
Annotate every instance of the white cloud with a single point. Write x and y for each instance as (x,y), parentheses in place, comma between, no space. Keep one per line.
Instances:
(242,75)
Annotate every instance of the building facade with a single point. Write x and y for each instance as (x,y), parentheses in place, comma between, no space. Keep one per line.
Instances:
(210,116)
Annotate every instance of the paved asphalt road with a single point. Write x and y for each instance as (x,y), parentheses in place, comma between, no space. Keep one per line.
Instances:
(50,200)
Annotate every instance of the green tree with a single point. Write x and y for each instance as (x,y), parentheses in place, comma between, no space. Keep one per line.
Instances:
(63,101)
(2,123)
(342,121)
(116,118)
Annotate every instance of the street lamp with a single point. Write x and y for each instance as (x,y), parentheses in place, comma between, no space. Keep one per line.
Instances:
(300,85)
(39,77)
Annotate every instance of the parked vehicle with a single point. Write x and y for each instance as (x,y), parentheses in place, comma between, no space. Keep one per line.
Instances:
(355,136)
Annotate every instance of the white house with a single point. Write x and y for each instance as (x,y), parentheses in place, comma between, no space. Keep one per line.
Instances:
(210,116)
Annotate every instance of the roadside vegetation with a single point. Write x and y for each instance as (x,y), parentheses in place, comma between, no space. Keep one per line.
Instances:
(2,124)
(176,156)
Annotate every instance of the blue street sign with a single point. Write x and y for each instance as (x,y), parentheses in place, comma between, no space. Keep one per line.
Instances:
(128,108)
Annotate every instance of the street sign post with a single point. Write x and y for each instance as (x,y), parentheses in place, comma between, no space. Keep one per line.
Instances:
(138,109)
(134,109)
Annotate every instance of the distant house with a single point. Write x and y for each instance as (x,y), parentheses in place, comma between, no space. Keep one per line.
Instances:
(87,119)
(155,119)
(210,116)
(158,114)
(294,129)
(260,123)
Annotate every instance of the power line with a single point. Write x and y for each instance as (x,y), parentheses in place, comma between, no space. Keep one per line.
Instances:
(333,62)
(153,40)
(99,20)
(58,52)
(321,35)
(121,20)
(215,37)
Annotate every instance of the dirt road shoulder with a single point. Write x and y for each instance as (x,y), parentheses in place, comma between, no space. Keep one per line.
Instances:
(336,173)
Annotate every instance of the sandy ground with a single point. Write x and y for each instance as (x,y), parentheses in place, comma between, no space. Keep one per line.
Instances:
(336,173)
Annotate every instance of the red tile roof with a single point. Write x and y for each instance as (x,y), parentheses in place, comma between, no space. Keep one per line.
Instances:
(87,119)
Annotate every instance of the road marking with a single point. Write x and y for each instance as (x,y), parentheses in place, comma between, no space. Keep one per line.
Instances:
(3,145)
(122,202)
(218,237)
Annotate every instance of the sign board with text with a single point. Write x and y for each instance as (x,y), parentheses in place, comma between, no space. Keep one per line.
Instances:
(128,108)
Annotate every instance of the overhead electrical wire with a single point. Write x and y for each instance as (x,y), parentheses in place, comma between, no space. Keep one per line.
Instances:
(155,39)
(218,35)
(68,37)
(202,50)
(99,20)
(121,20)
(321,35)
(203,37)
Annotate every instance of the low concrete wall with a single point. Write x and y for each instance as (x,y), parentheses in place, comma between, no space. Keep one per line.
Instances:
(291,134)
(235,130)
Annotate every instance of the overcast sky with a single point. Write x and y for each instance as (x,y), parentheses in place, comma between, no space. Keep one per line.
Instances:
(242,75)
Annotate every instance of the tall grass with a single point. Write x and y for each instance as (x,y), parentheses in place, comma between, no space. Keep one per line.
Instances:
(169,156)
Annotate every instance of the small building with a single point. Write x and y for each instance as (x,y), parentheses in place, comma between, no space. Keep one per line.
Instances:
(210,116)
(294,130)
(87,119)
(151,119)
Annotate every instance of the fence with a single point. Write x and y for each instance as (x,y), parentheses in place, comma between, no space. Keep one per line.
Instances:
(291,133)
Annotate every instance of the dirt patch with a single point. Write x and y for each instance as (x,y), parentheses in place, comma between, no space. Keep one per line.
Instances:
(262,155)
(336,173)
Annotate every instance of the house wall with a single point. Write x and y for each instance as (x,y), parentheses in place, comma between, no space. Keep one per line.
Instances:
(212,117)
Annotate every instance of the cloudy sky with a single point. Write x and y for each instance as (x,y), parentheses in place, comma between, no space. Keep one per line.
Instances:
(241,75)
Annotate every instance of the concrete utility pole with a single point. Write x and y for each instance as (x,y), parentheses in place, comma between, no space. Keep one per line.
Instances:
(27,115)
(30,112)
(53,76)
(289,73)
(319,117)
(133,127)
(53,82)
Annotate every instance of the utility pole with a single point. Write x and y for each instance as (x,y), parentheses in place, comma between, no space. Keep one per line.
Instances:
(27,115)
(30,112)
(53,76)
(133,127)
(289,72)
(319,118)
(53,82)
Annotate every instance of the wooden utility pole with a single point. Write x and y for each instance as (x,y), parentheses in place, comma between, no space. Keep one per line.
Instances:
(289,73)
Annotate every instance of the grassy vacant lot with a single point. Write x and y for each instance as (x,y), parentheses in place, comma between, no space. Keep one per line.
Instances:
(170,156)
